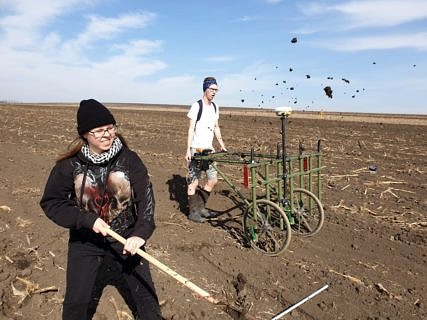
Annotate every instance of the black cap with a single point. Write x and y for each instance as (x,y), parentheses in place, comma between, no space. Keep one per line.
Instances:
(92,114)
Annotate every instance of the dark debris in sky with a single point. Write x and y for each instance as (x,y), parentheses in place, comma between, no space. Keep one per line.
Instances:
(328,91)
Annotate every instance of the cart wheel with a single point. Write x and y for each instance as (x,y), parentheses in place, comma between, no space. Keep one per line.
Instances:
(267,229)
(307,213)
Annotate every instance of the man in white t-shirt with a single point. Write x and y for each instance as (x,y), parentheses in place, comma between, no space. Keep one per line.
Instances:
(203,115)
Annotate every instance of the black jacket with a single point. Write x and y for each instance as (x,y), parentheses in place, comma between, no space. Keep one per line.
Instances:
(107,194)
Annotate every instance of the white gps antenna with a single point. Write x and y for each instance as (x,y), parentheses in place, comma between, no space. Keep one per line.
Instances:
(283,111)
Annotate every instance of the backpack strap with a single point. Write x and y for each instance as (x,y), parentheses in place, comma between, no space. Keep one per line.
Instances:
(199,114)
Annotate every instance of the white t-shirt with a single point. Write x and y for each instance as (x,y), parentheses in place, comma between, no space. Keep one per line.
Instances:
(204,131)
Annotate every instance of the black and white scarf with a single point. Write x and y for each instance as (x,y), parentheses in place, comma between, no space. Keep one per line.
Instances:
(105,156)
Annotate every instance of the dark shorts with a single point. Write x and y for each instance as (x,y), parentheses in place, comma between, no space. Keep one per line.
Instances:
(195,170)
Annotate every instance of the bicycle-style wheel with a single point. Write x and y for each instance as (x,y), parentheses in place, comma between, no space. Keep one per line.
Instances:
(307,213)
(267,228)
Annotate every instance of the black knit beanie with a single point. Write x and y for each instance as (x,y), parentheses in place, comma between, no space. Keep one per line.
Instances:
(92,114)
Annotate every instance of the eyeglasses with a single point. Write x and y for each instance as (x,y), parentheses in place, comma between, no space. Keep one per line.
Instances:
(99,133)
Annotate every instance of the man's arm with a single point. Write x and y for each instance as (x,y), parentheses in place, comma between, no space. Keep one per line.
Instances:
(190,139)
(218,136)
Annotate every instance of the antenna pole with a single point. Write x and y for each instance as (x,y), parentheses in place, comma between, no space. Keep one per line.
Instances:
(283,118)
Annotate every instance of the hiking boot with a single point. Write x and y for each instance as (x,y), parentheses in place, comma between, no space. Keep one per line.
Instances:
(205,213)
(196,217)
(203,198)
(194,202)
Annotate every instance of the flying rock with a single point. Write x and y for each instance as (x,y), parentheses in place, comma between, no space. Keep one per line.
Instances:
(328,91)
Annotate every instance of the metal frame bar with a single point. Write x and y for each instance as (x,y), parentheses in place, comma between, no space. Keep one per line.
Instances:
(259,166)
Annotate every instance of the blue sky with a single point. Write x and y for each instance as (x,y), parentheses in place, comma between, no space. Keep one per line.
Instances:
(159,51)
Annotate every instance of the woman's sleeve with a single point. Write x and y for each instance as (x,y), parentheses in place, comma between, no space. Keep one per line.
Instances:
(57,202)
(144,198)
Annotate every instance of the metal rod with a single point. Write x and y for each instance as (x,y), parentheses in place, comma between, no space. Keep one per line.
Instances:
(284,173)
(230,183)
(278,316)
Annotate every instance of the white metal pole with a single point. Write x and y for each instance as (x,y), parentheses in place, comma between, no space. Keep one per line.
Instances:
(296,305)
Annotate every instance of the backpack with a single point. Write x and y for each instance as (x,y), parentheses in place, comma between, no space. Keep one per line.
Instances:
(199,114)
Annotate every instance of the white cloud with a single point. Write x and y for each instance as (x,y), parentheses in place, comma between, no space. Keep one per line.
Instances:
(139,47)
(126,68)
(394,41)
(68,70)
(384,12)
(118,78)
(24,19)
(36,13)
(183,89)
(106,28)
(246,18)
(101,29)
(23,24)
(372,13)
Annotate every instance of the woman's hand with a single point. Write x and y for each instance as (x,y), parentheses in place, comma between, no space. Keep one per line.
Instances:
(99,226)
(133,244)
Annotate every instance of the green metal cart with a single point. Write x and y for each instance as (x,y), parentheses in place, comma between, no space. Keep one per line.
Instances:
(284,193)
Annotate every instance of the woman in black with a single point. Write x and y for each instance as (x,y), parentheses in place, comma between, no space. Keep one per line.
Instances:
(100,183)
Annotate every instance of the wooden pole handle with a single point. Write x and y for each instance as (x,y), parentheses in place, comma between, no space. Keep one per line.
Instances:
(204,294)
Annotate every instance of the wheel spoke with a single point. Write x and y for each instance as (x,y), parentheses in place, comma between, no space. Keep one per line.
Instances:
(300,218)
(307,212)
(267,228)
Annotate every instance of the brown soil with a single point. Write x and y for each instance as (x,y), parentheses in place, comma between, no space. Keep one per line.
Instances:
(371,250)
